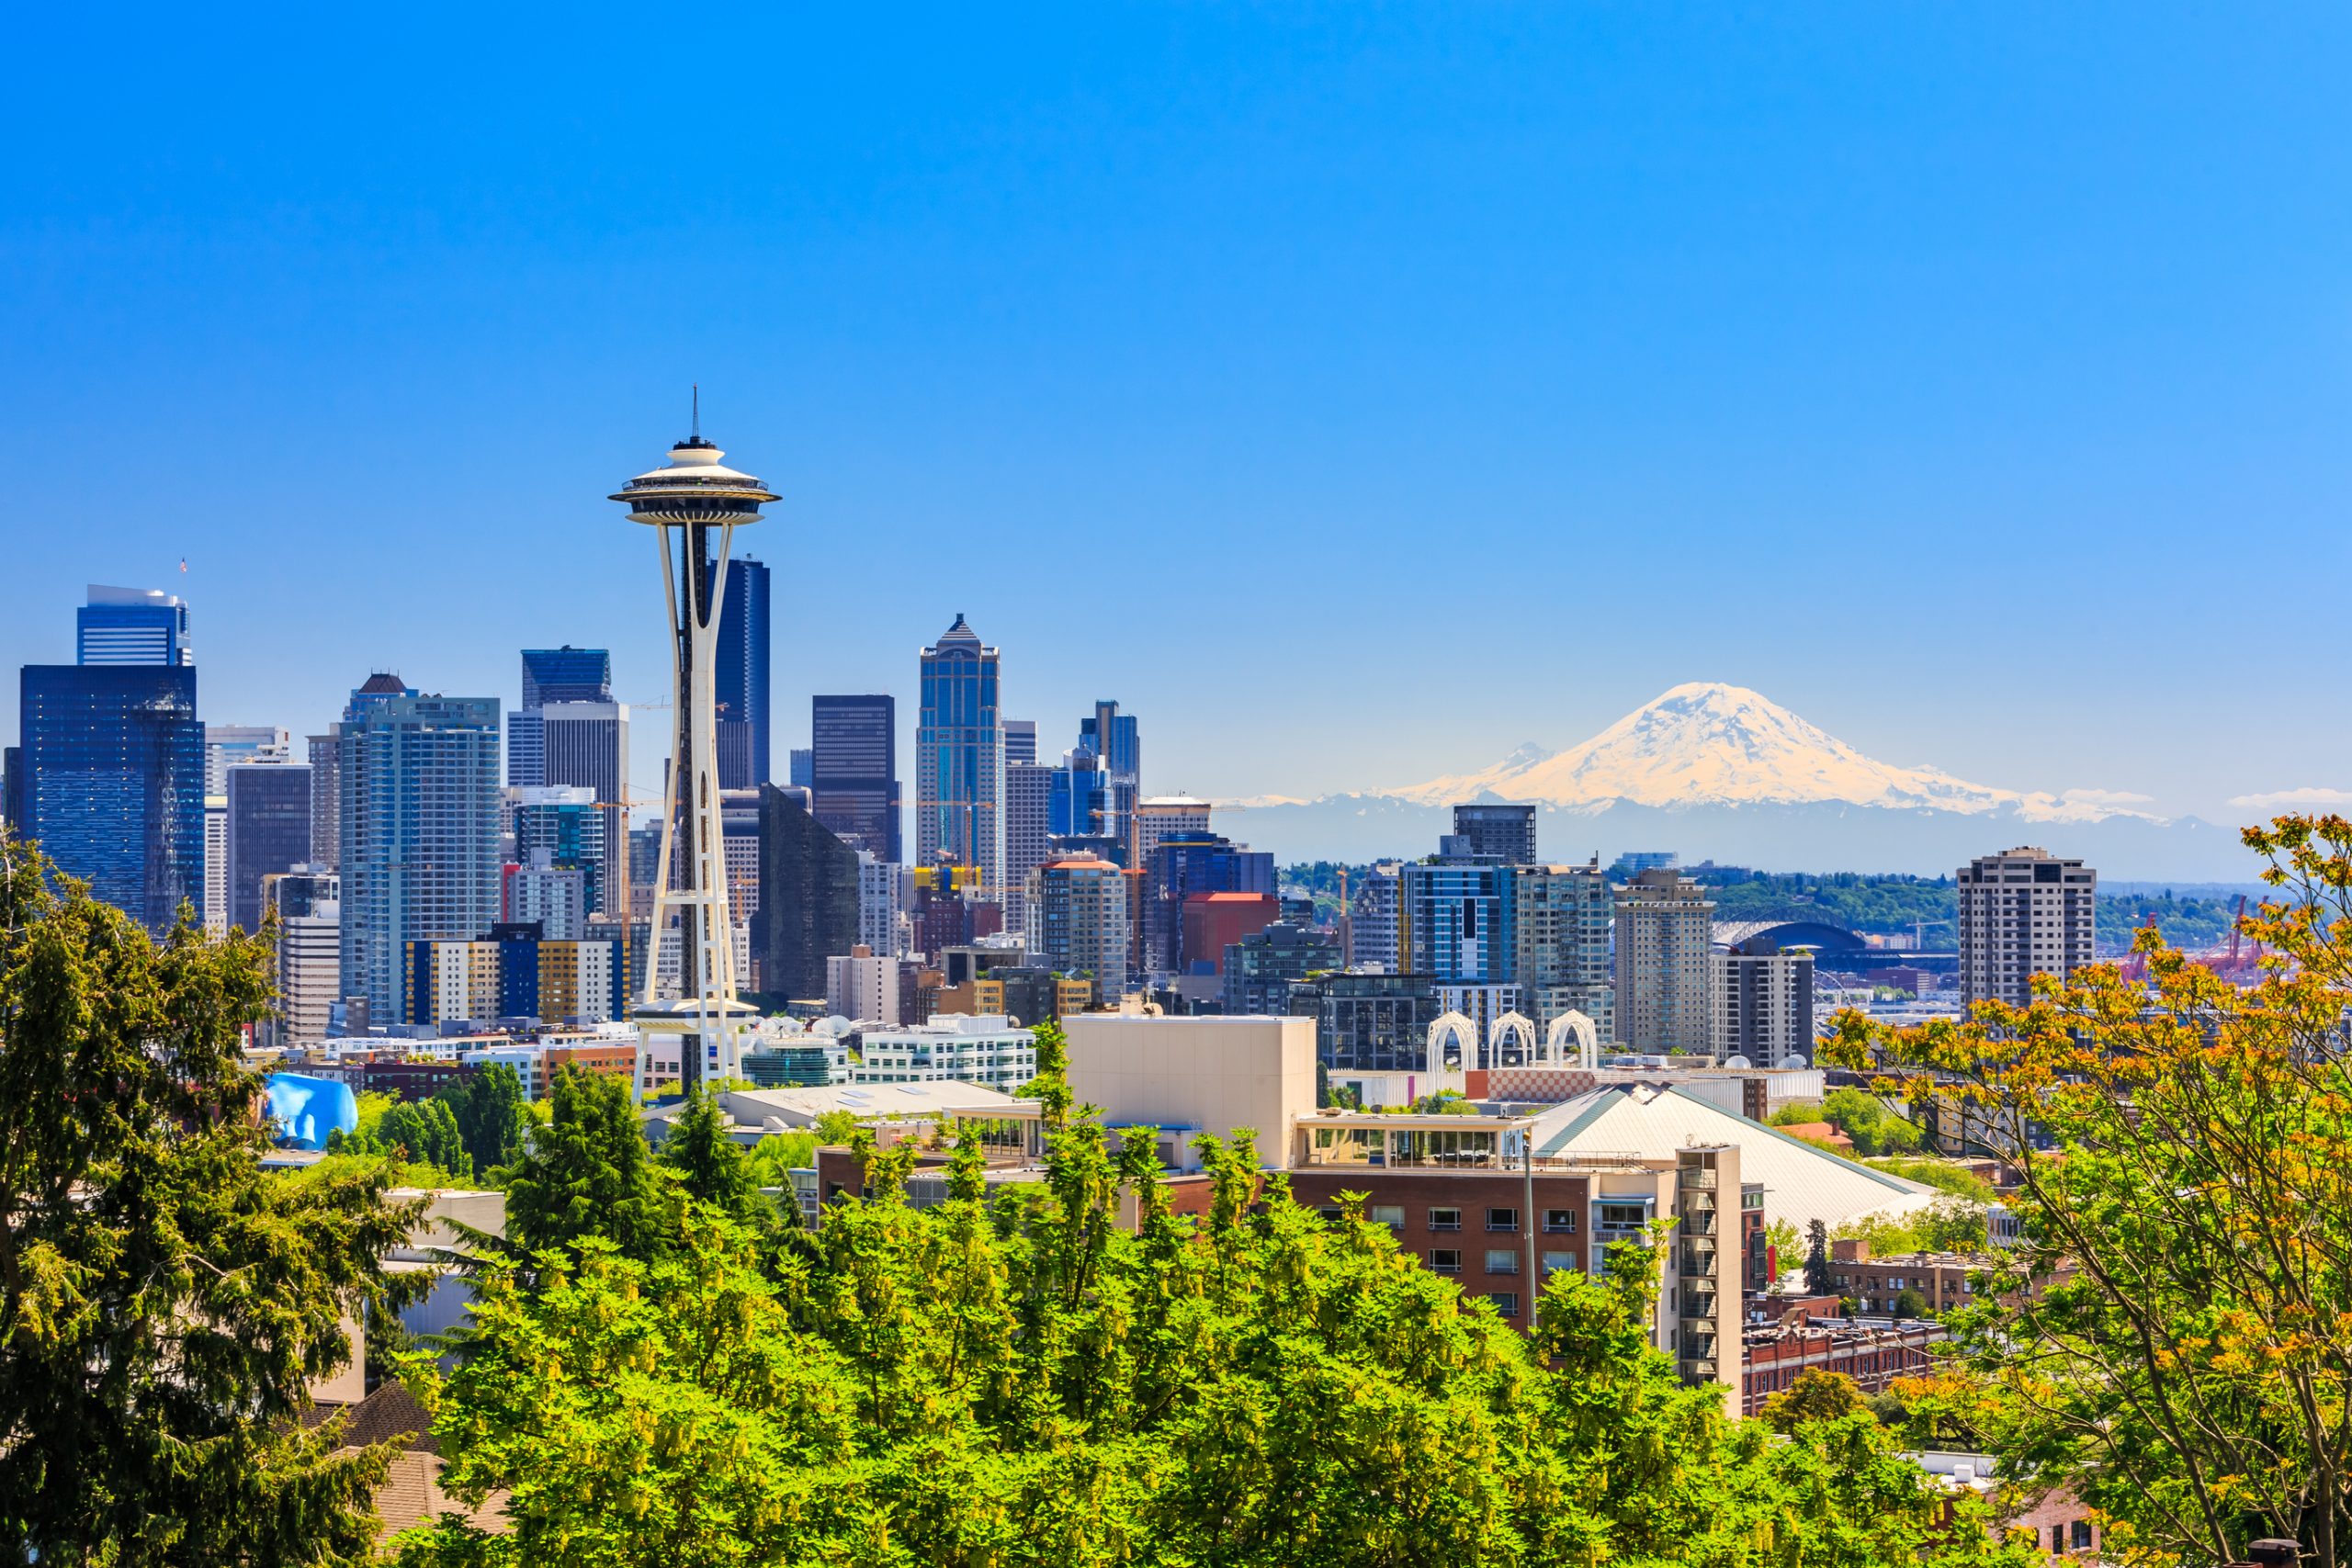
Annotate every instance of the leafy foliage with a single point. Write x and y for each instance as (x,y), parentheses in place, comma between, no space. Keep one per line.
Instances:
(588,1173)
(1817,1394)
(163,1301)
(489,1110)
(2185,1150)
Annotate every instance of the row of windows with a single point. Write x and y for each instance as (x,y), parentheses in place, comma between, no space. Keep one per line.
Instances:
(1556,1220)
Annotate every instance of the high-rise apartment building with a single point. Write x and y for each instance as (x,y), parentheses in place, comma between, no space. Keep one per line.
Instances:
(538,892)
(111,759)
(2022,912)
(743,676)
(586,746)
(1259,968)
(1112,737)
(1560,933)
(959,760)
(1375,926)
(1184,866)
(418,775)
(326,799)
(1505,831)
(562,827)
(1028,829)
(1455,912)
(269,832)
(880,897)
(1159,815)
(808,897)
(132,625)
(306,901)
(1764,1004)
(853,770)
(1078,920)
(863,987)
(1666,972)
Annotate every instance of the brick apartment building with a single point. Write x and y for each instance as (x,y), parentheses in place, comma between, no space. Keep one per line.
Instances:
(1873,1357)
(1875,1284)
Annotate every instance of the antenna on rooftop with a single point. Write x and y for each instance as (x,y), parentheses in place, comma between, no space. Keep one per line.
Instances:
(698,395)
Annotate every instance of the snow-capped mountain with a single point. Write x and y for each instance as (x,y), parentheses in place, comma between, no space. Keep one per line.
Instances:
(1706,744)
(1718,772)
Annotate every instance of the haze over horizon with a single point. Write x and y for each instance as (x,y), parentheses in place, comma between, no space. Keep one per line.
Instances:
(1354,396)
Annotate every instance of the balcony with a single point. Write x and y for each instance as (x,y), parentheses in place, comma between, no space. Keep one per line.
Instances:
(1698,1369)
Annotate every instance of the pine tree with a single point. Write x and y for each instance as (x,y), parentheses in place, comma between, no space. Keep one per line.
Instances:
(588,1173)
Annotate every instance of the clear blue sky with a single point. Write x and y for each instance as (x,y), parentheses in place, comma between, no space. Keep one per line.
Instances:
(1353,391)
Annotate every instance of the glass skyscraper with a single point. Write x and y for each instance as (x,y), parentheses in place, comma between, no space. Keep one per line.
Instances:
(1111,736)
(419,781)
(269,831)
(853,772)
(959,759)
(742,674)
(112,764)
(551,675)
(131,626)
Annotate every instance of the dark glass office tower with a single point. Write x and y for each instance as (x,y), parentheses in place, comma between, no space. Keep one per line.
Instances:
(854,771)
(269,831)
(113,782)
(1111,736)
(742,673)
(566,674)
(808,897)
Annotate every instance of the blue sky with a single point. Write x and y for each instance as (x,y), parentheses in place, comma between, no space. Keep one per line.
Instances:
(1353,391)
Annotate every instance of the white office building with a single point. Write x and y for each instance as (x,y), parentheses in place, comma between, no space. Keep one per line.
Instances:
(877,904)
(985,1049)
(860,986)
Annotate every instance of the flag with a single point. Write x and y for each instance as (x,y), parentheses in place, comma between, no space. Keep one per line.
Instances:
(183,566)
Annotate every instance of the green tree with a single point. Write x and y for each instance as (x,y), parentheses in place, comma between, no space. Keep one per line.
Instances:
(426,1133)
(491,1115)
(836,1128)
(588,1173)
(1908,1303)
(2171,1336)
(163,1301)
(1817,1278)
(1817,1394)
(701,1151)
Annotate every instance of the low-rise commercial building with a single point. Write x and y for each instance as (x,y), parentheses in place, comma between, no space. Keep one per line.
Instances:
(985,1049)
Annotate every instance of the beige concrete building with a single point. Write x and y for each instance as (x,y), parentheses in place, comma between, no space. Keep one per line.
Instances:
(2022,912)
(1665,970)
(1196,1075)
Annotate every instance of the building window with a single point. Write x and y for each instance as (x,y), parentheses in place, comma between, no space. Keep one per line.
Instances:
(1502,1219)
(1506,1302)
(1389,1214)
(2082,1535)
(1446,1261)
(1445,1219)
(1502,1260)
(1560,1221)
(1329,1216)
(1555,1261)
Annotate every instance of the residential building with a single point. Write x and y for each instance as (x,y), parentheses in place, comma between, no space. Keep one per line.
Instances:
(1078,919)
(132,625)
(1775,1355)
(326,798)
(418,774)
(1560,918)
(1159,816)
(1666,972)
(307,900)
(808,897)
(989,1050)
(562,827)
(269,831)
(513,973)
(1764,1004)
(742,676)
(2022,912)
(111,763)
(854,771)
(586,746)
(861,986)
(1260,968)
(1374,927)
(959,762)
(1504,832)
(540,893)
(879,910)
(1455,916)
(1941,1280)
(1028,815)
(1112,737)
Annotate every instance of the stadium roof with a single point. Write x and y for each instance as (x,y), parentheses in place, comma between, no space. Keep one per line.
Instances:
(1790,933)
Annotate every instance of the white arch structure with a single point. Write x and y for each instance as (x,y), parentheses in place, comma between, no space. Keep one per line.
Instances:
(1513,1026)
(1588,1041)
(1465,1035)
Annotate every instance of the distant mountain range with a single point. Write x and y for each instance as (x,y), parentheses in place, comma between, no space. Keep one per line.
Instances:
(1721,773)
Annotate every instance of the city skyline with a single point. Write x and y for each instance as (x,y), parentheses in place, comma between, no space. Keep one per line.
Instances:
(1277,322)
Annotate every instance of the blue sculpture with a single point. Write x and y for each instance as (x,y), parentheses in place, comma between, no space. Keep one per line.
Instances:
(307,1108)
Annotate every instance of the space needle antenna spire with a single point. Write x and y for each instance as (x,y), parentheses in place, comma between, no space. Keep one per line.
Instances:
(693,504)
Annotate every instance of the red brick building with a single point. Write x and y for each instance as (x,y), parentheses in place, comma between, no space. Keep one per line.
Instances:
(1873,1358)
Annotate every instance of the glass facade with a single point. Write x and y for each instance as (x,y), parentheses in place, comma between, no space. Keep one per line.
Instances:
(1369,1024)
(1183,865)
(566,674)
(741,674)
(854,770)
(113,782)
(131,626)
(269,831)
(959,759)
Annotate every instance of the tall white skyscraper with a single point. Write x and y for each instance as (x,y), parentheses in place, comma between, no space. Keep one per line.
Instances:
(2022,912)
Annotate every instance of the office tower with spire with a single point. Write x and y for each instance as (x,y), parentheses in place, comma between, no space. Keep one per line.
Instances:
(853,772)
(1118,751)
(959,760)
(418,777)
(110,764)
(741,671)
(697,503)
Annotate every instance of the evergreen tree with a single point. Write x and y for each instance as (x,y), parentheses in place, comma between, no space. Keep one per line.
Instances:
(1817,1280)
(163,1301)
(491,1112)
(710,1164)
(588,1173)
(426,1133)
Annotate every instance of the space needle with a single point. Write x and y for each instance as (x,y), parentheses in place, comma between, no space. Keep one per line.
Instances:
(693,504)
